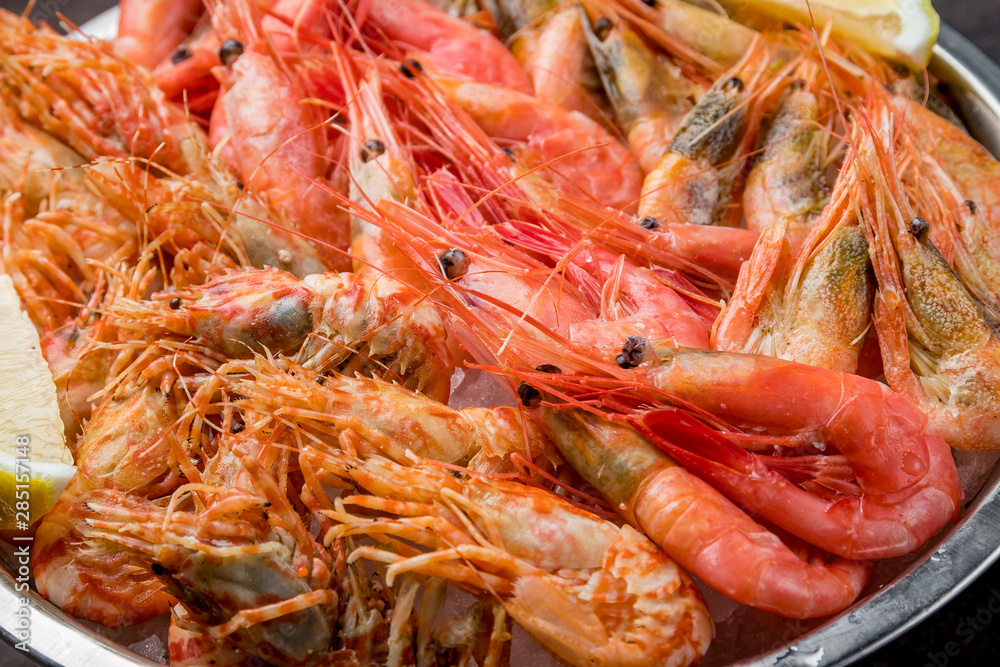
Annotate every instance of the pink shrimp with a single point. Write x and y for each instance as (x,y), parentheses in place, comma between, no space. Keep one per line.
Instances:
(279,146)
(581,155)
(449,45)
(696,525)
(149,30)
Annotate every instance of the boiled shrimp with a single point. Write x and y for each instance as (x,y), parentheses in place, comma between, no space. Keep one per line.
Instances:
(447,44)
(548,39)
(938,349)
(808,302)
(149,31)
(366,323)
(649,93)
(558,569)
(696,525)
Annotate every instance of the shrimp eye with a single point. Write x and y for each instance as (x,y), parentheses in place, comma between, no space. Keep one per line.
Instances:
(240,186)
(548,368)
(972,206)
(509,152)
(407,72)
(454,263)
(180,54)
(373,148)
(530,397)
(735,82)
(919,227)
(229,51)
(798,84)
(320,380)
(649,3)
(174,303)
(650,223)
(602,27)
(157,569)
(415,64)
(633,352)
(236,426)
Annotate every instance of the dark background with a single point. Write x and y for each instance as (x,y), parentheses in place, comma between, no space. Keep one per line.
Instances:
(966,631)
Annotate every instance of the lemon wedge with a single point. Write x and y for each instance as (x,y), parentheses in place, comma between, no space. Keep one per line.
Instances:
(901,30)
(35,464)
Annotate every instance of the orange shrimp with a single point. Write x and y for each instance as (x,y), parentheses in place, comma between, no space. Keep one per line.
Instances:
(649,93)
(907,487)
(696,525)
(278,143)
(808,302)
(368,323)
(392,420)
(149,31)
(447,44)
(549,40)
(127,447)
(580,155)
(938,349)
(699,179)
(787,179)
(232,549)
(587,591)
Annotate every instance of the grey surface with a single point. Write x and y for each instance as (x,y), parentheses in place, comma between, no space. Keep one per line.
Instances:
(979,20)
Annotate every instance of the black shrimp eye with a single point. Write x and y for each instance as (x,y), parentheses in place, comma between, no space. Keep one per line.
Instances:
(454,263)
(633,352)
(650,223)
(919,226)
(240,186)
(415,64)
(373,148)
(530,397)
(649,3)
(798,84)
(320,380)
(180,54)
(735,82)
(509,152)
(229,51)
(174,303)
(972,206)
(602,27)
(407,72)
(158,569)
(548,368)
(236,427)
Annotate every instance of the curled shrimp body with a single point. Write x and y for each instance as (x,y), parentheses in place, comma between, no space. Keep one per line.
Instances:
(908,485)
(649,94)
(366,323)
(586,590)
(584,157)
(696,525)
(787,180)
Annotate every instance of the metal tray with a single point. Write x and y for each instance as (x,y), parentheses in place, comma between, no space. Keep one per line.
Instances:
(958,556)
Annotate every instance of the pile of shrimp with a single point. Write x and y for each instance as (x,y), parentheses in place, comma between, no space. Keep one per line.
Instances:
(740,284)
